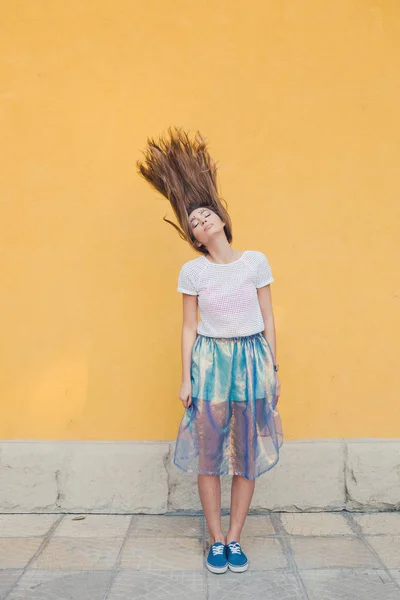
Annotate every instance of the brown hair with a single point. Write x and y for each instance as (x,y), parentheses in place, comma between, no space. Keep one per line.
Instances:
(185,173)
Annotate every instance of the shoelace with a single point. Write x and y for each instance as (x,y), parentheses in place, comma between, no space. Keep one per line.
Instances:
(234,548)
(217,549)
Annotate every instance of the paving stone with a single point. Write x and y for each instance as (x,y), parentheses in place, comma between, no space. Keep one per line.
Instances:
(85,476)
(183,487)
(254,526)
(140,477)
(163,558)
(115,477)
(350,584)
(388,549)
(264,554)
(61,585)
(379,523)
(93,526)
(149,554)
(254,585)
(166,526)
(372,474)
(156,585)
(8,578)
(395,573)
(309,475)
(28,474)
(258,525)
(26,525)
(315,524)
(327,552)
(79,553)
(15,553)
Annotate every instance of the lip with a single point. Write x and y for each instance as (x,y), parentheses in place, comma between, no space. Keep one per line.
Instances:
(208,227)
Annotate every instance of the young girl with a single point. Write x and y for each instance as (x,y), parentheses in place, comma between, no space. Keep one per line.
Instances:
(230,386)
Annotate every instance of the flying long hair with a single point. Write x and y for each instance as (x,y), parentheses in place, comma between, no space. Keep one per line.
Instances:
(185,173)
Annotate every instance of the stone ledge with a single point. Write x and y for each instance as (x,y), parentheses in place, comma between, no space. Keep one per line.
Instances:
(140,477)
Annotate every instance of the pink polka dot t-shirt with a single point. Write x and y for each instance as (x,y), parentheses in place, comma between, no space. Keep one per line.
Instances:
(227,293)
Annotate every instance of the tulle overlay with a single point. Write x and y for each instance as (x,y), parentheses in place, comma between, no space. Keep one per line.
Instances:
(233,426)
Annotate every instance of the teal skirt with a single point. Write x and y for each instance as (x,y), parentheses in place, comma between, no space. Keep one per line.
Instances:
(233,426)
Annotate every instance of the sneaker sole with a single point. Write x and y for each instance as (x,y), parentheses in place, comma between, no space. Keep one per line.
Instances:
(216,569)
(238,569)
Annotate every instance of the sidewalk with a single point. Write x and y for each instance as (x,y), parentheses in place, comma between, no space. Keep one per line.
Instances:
(319,556)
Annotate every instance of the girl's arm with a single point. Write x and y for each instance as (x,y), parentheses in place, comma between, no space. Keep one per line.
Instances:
(189,334)
(264,298)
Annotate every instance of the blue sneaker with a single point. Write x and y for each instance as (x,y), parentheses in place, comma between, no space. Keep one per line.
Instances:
(216,560)
(237,560)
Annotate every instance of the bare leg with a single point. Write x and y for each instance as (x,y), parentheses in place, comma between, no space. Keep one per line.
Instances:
(241,494)
(210,497)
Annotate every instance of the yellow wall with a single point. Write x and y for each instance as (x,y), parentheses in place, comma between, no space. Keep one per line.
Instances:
(300,104)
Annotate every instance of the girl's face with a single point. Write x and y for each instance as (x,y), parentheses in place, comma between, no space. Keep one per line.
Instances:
(205,223)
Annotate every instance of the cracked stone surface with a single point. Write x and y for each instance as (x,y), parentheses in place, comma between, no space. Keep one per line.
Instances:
(140,477)
(323,552)
(347,583)
(54,585)
(307,476)
(179,585)
(82,476)
(166,527)
(292,556)
(256,526)
(373,475)
(379,523)
(315,524)
(387,548)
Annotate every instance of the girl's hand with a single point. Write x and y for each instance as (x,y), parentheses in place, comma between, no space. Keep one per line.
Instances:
(185,393)
(278,389)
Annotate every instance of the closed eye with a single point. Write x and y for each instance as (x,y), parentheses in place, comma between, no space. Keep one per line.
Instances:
(194,226)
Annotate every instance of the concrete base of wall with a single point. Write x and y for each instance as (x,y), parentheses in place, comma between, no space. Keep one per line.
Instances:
(140,477)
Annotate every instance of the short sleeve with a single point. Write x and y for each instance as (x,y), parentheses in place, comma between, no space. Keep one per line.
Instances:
(186,281)
(264,273)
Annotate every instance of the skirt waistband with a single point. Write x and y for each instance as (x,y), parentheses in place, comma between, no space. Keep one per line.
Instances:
(236,338)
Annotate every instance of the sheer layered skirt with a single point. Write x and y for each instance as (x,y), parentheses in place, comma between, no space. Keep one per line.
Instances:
(233,426)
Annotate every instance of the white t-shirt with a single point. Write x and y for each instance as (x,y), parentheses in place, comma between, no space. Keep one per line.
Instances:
(227,293)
